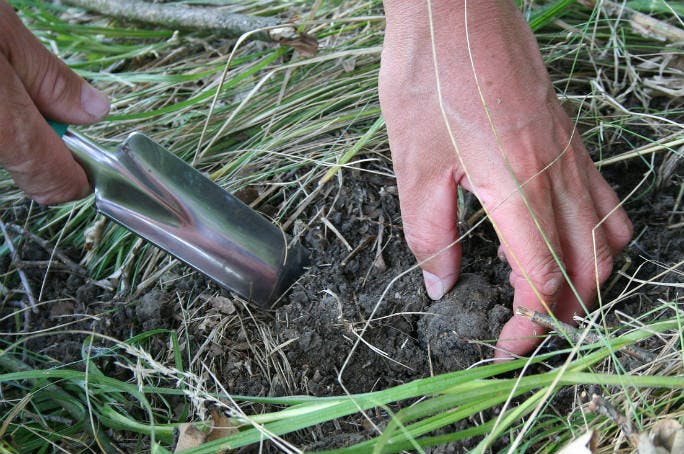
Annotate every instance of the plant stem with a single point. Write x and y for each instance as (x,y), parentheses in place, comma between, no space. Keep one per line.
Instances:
(20,272)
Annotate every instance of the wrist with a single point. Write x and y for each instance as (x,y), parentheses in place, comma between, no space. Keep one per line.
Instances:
(409,20)
(412,16)
(411,26)
(491,43)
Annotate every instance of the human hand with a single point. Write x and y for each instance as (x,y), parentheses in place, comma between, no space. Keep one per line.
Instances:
(564,202)
(34,85)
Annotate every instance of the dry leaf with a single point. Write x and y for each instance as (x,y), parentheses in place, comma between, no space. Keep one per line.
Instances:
(93,234)
(584,444)
(302,42)
(670,434)
(305,44)
(217,308)
(189,436)
(379,264)
(222,304)
(279,33)
(669,166)
(349,64)
(665,437)
(222,427)
(646,446)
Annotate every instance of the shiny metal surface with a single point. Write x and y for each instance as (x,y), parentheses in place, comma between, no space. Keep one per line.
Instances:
(157,195)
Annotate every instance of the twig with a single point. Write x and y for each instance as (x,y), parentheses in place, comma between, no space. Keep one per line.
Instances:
(575,335)
(22,276)
(186,17)
(379,261)
(664,144)
(304,204)
(154,278)
(124,271)
(66,261)
(643,24)
(675,208)
(602,407)
(337,233)
(362,245)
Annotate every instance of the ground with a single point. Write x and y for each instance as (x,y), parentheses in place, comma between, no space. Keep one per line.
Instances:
(310,111)
(361,269)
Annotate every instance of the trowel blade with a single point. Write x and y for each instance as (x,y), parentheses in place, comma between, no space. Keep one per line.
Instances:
(158,196)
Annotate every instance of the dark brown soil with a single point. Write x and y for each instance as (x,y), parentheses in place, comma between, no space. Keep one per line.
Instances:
(329,307)
(310,335)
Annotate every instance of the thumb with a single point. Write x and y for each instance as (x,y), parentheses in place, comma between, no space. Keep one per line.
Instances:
(58,92)
(429,216)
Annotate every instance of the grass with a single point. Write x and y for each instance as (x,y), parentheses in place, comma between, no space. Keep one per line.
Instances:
(73,399)
(283,123)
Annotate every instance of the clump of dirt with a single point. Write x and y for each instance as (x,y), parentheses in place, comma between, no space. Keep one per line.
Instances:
(468,313)
(152,310)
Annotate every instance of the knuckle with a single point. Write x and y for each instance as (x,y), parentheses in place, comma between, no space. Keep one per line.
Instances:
(545,275)
(54,192)
(13,144)
(50,83)
(44,198)
(428,239)
(421,245)
(50,198)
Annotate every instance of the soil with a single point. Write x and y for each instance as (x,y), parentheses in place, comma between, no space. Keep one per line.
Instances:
(362,269)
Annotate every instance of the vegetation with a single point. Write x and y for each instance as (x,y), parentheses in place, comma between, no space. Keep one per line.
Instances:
(281,120)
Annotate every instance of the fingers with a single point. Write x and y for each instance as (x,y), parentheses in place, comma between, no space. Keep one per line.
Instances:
(58,92)
(34,85)
(429,214)
(536,276)
(594,236)
(587,251)
(36,158)
(614,219)
(579,198)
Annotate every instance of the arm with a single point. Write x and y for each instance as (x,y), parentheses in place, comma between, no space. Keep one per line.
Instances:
(522,137)
(35,84)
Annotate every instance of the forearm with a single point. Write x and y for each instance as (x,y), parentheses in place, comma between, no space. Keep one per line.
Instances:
(488,40)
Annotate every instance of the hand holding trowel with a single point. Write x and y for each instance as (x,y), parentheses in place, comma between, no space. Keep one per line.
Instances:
(157,195)
(141,185)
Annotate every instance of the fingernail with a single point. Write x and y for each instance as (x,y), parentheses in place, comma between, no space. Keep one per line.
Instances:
(434,285)
(94,101)
(501,254)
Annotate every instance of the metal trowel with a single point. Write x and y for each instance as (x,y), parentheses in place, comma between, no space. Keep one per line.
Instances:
(158,196)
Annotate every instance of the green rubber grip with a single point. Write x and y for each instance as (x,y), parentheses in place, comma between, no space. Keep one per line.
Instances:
(60,128)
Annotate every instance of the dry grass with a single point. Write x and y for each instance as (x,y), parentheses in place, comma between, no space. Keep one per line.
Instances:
(271,123)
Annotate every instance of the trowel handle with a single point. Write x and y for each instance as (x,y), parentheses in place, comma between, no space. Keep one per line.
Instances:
(91,157)
(59,128)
